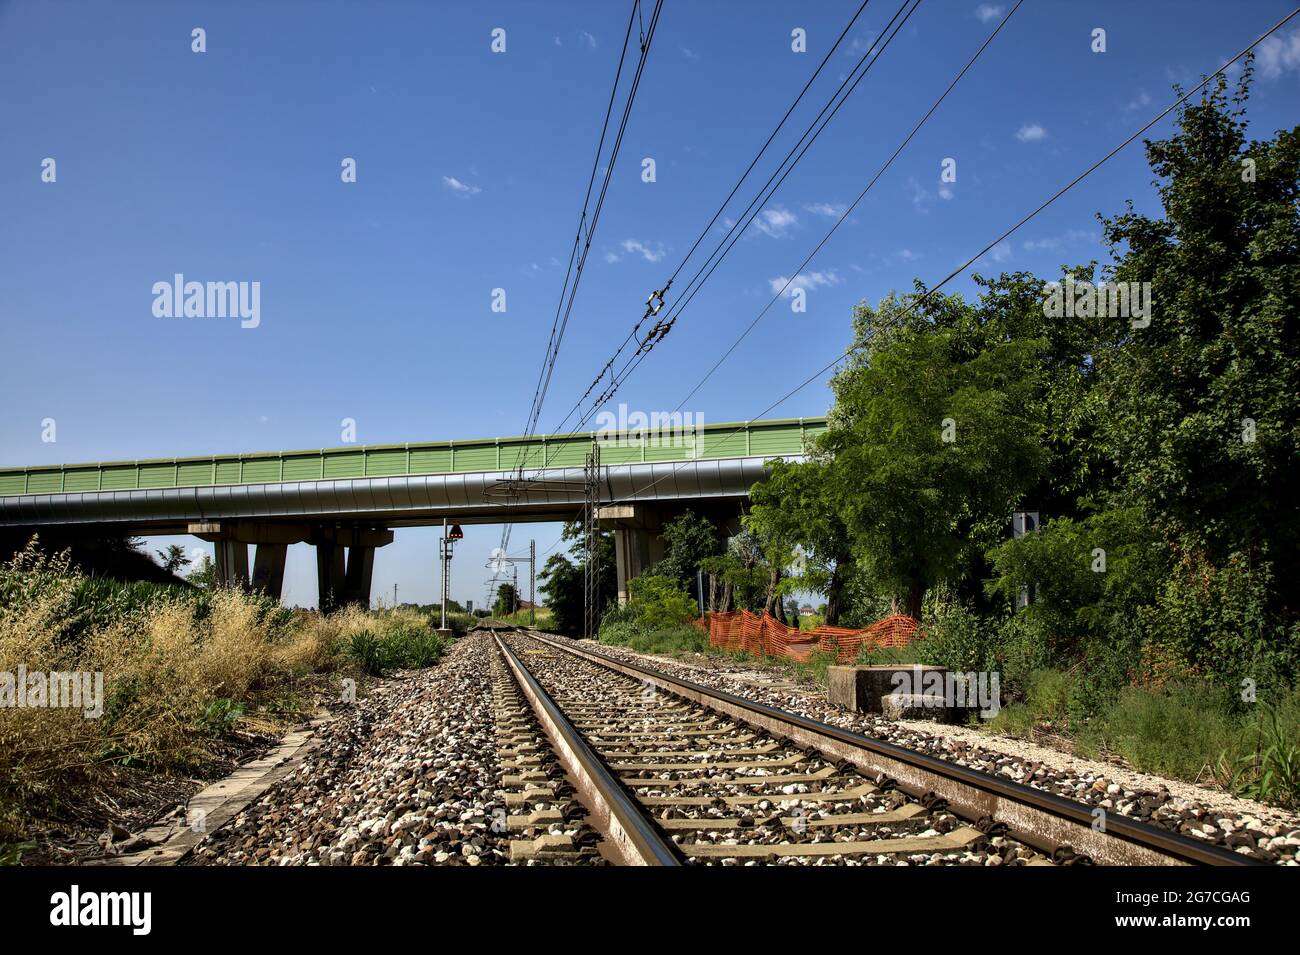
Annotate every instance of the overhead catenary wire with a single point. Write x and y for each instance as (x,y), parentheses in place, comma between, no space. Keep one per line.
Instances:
(774,181)
(587,222)
(737,227)
(852,206)
(930,291)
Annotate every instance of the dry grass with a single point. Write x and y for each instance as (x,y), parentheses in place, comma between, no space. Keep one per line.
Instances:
(177,671)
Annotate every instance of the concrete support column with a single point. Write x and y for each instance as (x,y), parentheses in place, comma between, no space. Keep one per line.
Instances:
(232,563)
(329,575)
(628,558)
(361,567)
(268,568)
(637,544)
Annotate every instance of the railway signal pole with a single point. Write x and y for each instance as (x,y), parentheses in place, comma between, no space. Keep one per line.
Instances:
(449,537)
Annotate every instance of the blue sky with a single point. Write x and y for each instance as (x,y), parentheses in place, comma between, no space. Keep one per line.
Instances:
(471,166)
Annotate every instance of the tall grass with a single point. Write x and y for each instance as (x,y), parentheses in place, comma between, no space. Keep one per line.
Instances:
(180,667)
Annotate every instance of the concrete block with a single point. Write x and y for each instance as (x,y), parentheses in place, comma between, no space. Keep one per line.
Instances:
(863,689)
(917,706)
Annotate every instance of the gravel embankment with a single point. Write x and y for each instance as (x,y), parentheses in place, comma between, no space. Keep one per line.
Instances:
(1248,827)
(408,777)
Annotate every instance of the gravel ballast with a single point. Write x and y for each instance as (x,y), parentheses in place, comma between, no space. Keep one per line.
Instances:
(1262,832)
(406,777)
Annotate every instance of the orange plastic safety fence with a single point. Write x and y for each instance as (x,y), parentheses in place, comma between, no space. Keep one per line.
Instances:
(766,636)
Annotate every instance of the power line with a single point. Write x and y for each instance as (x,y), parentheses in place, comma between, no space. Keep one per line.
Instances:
(774,181)
(1025,219)
(582,238)
(736,229)
(849,211)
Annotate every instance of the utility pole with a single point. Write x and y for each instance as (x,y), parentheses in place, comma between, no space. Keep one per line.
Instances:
(394,596)
(532,582)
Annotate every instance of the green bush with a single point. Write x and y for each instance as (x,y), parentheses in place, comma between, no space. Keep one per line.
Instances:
(659,603)
(959,640)
(363,648)
(220,715)
(1215,620)
(1267,766)
(404,648)
(687,639)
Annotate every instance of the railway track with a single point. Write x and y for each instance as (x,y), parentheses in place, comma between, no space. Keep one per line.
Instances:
(609,761)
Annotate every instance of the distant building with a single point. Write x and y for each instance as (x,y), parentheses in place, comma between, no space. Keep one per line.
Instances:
(806,611)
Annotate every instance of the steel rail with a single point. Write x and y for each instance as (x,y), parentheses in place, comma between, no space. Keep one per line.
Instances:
(1044,820)
(634,838)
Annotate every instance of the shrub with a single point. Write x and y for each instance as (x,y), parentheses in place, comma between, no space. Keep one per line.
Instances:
(658,603)
(180,667)
(687,639)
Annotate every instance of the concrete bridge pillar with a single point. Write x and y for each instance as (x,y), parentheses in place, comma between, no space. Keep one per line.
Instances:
(345,556)
(345,563)
(637,544)
(268,568)
(329,575)
(361,567)
(232,563)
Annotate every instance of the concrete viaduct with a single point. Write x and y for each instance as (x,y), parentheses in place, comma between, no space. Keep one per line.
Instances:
(347,501)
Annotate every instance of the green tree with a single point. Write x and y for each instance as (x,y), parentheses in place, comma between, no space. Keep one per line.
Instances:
(506,600)
(935,441)
(737,577)
(173,559)
(561,578)
(1201,408)
(204,574)
(798,507)
(688,540)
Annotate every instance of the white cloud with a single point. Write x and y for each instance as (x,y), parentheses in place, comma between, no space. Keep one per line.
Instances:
(945,191)
(775,222)
(1070,236)
(804,280)
(921,196)
(689,53)
(612,257)
(831,210)
(557,41)
(1031,133)
(861,43)
(906,254)
(1001,252)
(987,11)
(650,251)
(460,188)
(1278,54)
(587,38)
(1142,99)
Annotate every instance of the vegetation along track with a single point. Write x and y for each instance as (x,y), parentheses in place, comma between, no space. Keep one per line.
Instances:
(672,773)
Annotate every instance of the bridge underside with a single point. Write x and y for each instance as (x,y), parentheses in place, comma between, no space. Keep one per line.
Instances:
(345,519)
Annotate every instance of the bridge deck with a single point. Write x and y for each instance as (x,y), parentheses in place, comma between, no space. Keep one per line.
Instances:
(767,438)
